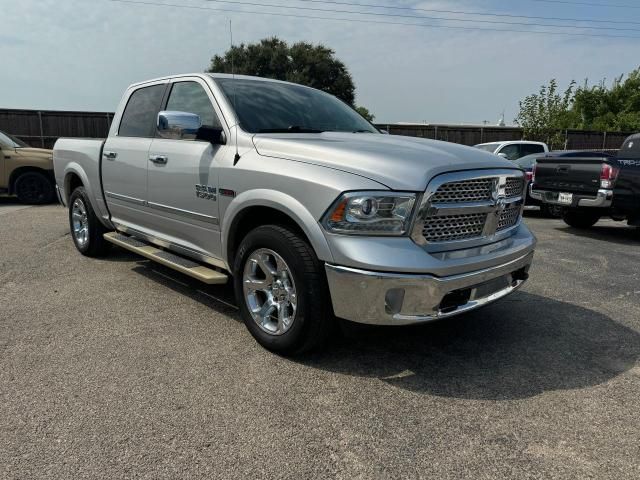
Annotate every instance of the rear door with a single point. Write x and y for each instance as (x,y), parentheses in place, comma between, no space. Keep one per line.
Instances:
(126,156)
(183,188)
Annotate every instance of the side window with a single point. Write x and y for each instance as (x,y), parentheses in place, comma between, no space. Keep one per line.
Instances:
(139,117)
(511,151)
(528,149)
(190,97)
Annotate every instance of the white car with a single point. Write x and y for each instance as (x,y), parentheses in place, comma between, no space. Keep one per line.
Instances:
(515,149)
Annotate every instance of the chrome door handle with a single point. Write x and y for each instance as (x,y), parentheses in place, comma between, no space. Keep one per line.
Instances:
(110,155)
(158,159)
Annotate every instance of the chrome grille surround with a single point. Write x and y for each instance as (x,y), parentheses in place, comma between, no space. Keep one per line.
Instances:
(466,209)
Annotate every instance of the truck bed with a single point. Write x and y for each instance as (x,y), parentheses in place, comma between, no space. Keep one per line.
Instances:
(87,154)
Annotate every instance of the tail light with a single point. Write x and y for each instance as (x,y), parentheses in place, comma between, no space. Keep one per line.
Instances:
(608,175)
(533,172)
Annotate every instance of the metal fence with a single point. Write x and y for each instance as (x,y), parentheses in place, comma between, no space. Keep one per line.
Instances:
(473,135)
(41,128)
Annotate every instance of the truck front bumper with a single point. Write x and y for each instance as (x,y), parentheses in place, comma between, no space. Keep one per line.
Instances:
(603,199)
(401,299)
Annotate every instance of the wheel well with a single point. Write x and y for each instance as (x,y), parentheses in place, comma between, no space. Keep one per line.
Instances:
(72,181)
(252,217)
(19,171)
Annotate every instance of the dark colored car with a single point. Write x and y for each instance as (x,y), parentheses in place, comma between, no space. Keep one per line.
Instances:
(589,188)
(528,162)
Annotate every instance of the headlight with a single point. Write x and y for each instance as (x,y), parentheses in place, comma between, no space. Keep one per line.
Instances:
(371,213)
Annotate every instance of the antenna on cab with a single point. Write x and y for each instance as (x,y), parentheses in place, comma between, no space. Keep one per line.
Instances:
(233,77)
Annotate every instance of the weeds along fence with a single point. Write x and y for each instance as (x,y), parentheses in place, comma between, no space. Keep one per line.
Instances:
(41,128)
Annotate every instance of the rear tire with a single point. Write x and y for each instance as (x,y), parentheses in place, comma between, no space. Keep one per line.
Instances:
(551,211)
(86,229)
(580,218)
(34,188)
(275,270)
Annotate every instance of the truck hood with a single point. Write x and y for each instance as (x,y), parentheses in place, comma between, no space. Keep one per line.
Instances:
(33,152)
(400,163)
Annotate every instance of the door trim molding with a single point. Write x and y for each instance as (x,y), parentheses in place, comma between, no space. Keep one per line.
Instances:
(185,213)
(125,198)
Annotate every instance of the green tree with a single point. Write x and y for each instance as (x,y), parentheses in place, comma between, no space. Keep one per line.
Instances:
(615,108)
(312,65)
(366,113)
(543,116)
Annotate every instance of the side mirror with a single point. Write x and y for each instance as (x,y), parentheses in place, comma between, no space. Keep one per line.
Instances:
(178,125)
(503,155)
(187,126)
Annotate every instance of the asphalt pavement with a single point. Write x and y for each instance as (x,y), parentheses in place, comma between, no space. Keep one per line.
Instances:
(120,368)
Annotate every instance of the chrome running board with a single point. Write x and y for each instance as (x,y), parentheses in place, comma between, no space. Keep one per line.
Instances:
(169,259)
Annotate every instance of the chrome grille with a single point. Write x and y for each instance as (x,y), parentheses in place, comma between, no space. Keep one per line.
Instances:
(508,217)
(514,187)
(476,190)
(469,208)
(454,227)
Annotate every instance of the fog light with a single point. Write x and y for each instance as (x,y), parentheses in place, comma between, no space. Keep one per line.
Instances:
(393,300)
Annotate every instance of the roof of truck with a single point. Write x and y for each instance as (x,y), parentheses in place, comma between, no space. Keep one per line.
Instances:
(212,75)
(506,142)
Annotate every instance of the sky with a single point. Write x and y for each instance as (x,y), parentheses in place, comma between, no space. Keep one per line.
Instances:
(82,54)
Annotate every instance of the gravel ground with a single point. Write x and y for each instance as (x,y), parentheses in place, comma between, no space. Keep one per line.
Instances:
(120,368)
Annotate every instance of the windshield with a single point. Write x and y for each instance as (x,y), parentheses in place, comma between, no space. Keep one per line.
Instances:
(272,107)
(11,142)
(528,161)
(489,147)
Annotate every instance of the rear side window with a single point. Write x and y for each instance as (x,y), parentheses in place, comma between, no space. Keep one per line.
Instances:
(139,117)
(528,149)
(190,97)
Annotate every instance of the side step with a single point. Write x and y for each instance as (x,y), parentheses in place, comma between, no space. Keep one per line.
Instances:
(168,259)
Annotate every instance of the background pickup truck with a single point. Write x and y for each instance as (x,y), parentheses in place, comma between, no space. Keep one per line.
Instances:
(26,172)
(591,188)
(302,203)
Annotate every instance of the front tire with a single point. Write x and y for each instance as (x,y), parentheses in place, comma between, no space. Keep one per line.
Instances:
(86,229)
(34,188)
(281,290)
(580,218)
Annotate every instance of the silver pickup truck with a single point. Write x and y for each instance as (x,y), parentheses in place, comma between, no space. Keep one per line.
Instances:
(311,211)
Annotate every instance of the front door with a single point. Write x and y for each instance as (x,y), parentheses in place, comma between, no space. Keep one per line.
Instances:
(126,155)
(183,185)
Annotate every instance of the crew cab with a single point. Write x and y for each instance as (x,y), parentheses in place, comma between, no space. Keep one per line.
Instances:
(591,188)
(290,194)
(26,172)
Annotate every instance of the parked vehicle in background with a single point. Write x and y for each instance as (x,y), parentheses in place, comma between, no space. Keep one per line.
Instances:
(589,188)
(528,162)
(514,150)
(26,172)
(302,202)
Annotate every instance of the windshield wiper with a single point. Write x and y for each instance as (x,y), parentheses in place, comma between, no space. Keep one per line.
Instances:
(290,129)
